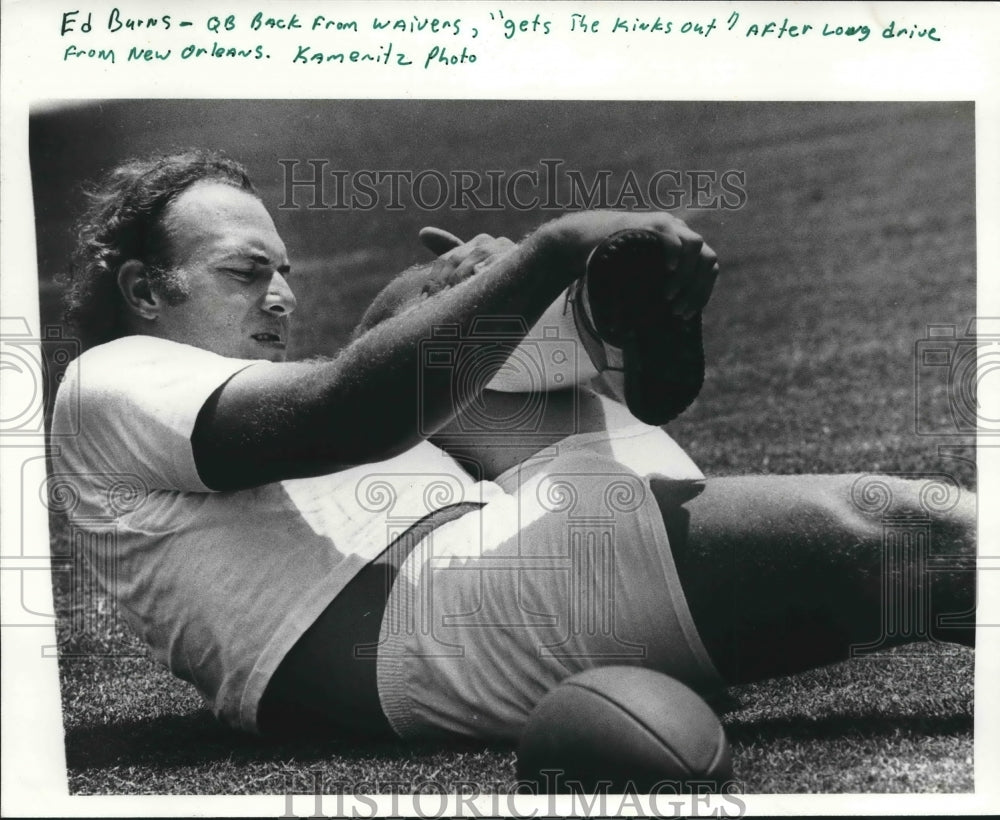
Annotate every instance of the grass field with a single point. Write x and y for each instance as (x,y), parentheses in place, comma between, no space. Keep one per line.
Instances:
(858,232)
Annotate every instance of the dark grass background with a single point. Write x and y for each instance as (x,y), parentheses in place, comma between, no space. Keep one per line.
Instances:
(858,232)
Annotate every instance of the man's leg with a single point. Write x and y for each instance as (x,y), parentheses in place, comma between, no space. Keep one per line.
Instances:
(786,573)
(488,450)
(327,681)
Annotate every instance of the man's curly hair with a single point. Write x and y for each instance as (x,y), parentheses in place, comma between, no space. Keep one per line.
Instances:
(123,221)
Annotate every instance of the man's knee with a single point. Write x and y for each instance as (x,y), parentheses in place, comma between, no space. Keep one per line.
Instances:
(593,473)
(935,500)
(771,511)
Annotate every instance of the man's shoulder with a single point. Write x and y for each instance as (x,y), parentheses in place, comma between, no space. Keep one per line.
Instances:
(130,361)
(142,371)
(134,402)
(142,348)
(116,366)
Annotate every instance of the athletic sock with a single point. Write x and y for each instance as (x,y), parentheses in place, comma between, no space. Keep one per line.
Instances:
(556,328)
(608,360)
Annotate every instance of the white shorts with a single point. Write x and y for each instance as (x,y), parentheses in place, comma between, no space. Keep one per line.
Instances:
(570,570)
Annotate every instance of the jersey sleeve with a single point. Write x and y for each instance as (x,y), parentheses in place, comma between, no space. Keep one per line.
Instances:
(137,400)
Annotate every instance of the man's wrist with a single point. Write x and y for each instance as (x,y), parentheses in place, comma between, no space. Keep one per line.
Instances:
(558,249)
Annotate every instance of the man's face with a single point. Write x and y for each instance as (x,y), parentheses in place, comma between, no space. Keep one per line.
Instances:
(223,242)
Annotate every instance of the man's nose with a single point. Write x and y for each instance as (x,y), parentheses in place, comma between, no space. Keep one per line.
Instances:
(279,298)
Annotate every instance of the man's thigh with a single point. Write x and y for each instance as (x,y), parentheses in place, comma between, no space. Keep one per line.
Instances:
(549,423)
(569,572)
(784,573)
(505,429)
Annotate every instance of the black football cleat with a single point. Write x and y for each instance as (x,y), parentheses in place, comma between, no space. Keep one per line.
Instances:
(663,356)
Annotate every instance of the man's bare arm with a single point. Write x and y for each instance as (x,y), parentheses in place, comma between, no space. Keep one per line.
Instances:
(278,421)
(374,400)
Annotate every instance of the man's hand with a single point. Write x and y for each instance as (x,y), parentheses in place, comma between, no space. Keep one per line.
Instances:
(458,260)
(693,263)
(575,236)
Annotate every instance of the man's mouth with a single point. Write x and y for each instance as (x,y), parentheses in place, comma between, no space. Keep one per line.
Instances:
(266,338)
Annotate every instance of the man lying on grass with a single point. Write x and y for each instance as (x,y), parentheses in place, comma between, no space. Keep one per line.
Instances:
(325,543)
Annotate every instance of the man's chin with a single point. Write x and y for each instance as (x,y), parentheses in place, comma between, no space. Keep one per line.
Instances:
(273,354)
(265,352)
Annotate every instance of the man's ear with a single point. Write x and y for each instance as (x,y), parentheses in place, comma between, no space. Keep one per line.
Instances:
(140,299)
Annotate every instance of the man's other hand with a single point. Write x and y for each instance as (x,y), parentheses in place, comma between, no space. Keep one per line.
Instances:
(458,260)
(684,251)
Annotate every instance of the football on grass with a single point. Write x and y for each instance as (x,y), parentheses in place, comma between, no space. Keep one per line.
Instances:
(623,728)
